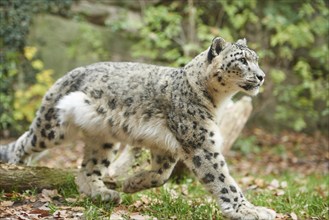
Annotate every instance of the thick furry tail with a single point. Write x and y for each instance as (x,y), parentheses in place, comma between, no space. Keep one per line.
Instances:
(15,152)
(6,151)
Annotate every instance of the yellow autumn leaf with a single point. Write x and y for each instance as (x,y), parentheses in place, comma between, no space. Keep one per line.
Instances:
(18,94)
(45,77)
(30,112)
(17,105)
(37,64)
(29,52)
(38,90)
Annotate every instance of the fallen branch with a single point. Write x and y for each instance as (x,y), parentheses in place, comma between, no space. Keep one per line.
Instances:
(20,178)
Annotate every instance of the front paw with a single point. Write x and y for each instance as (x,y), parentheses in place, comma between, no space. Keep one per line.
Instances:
(250,212)
(107,195)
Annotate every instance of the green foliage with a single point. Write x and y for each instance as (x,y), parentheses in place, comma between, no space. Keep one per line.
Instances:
(247,145)
(162,37)
(299,42)
(88,37)
(15,70)
(8,72)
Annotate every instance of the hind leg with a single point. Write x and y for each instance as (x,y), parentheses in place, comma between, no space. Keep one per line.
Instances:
(97,158)
(162,166)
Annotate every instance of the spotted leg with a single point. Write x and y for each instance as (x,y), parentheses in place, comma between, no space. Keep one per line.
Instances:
(201,153)
(210,168)
(161,168)
(97,159)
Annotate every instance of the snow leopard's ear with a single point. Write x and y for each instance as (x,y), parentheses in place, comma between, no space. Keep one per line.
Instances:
(242,42)
(216,47)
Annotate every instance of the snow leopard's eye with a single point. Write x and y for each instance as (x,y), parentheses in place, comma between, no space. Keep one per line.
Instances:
(243,60)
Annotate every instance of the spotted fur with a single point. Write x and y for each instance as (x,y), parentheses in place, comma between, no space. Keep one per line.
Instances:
(171,111)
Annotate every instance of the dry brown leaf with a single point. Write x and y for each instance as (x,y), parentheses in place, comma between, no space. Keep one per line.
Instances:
(40,212)
(145,199)
(184,189)
(32,198)
(247,180)
(60,214)
(138,204)
(72,200)
(280,216)
(50,193)
(6,203)
(8,195)
(78,209)
(260,182)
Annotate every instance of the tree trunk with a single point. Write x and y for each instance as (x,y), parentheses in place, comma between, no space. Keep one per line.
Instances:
(232,121)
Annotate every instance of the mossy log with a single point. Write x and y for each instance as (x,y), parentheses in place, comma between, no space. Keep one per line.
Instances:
(20,178)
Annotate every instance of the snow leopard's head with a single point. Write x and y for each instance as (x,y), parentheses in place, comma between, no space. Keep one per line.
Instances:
(235,66)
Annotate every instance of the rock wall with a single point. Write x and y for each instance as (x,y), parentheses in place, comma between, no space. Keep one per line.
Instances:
(87,37)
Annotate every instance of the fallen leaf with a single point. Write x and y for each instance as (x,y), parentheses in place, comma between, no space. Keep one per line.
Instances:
(260,183)
(284,184)
(247,180)
(78,209)
(145,199)
(50,193)
(293,216)
(40,212)
(280,216)
(275,183)
(137,216)
(279,192)
(45,207)
(115,216)
(6,203)
(72,200)
(138,204)
(60,214)
(184,189)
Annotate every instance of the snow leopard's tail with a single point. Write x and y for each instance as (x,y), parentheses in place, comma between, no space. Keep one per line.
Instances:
(6,151)
(14,152)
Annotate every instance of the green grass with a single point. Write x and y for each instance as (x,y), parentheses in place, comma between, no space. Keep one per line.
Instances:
(301,196)
(306,196)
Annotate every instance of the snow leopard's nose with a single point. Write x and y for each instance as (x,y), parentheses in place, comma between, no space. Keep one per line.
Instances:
(260,76)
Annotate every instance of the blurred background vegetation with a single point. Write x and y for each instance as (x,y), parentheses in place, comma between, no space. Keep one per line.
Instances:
(41,40)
